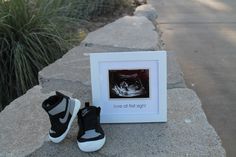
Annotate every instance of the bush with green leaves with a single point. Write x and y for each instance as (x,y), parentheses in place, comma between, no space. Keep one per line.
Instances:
(31,37)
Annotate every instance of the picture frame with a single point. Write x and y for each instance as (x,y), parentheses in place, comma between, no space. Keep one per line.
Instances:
(130,87)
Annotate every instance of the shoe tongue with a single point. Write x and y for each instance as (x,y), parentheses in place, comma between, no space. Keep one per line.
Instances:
(51,102)
(89,116)
(88,111)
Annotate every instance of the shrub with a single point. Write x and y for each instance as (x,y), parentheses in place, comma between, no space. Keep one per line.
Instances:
(86,9)
(31,37)
(34,33)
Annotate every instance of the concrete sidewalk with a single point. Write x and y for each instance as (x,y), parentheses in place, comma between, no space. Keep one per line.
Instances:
(203,35)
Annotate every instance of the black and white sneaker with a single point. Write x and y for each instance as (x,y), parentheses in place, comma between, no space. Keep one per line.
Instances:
(62,110)
(91,136)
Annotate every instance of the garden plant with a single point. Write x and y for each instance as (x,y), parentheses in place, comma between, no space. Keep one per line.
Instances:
(35,33)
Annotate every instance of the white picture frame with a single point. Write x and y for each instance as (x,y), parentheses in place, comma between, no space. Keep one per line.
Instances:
(130,87)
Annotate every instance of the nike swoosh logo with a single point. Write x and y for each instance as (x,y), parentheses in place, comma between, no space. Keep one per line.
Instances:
(65,118)
(84,112)
(52,131)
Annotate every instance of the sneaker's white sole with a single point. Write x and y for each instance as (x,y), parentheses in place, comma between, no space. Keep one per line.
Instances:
(91,146)
(62,137)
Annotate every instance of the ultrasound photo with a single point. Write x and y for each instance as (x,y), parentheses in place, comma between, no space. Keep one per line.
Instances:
(129,83)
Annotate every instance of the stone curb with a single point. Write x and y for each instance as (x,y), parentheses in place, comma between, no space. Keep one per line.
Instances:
(174,73)
(72,71)
(24,128)
(23,124)
(126,32)
(147,11)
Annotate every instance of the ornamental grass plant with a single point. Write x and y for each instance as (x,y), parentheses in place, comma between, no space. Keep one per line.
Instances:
(31,37)
(35,33)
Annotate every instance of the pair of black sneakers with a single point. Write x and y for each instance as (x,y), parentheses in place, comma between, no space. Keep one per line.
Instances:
(62,110)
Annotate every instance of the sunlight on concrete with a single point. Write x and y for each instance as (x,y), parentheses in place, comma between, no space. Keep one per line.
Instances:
(216,5)
(229,34)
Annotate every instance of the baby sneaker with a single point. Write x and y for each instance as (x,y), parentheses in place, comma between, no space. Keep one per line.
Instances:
(91,136)
(62,110)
